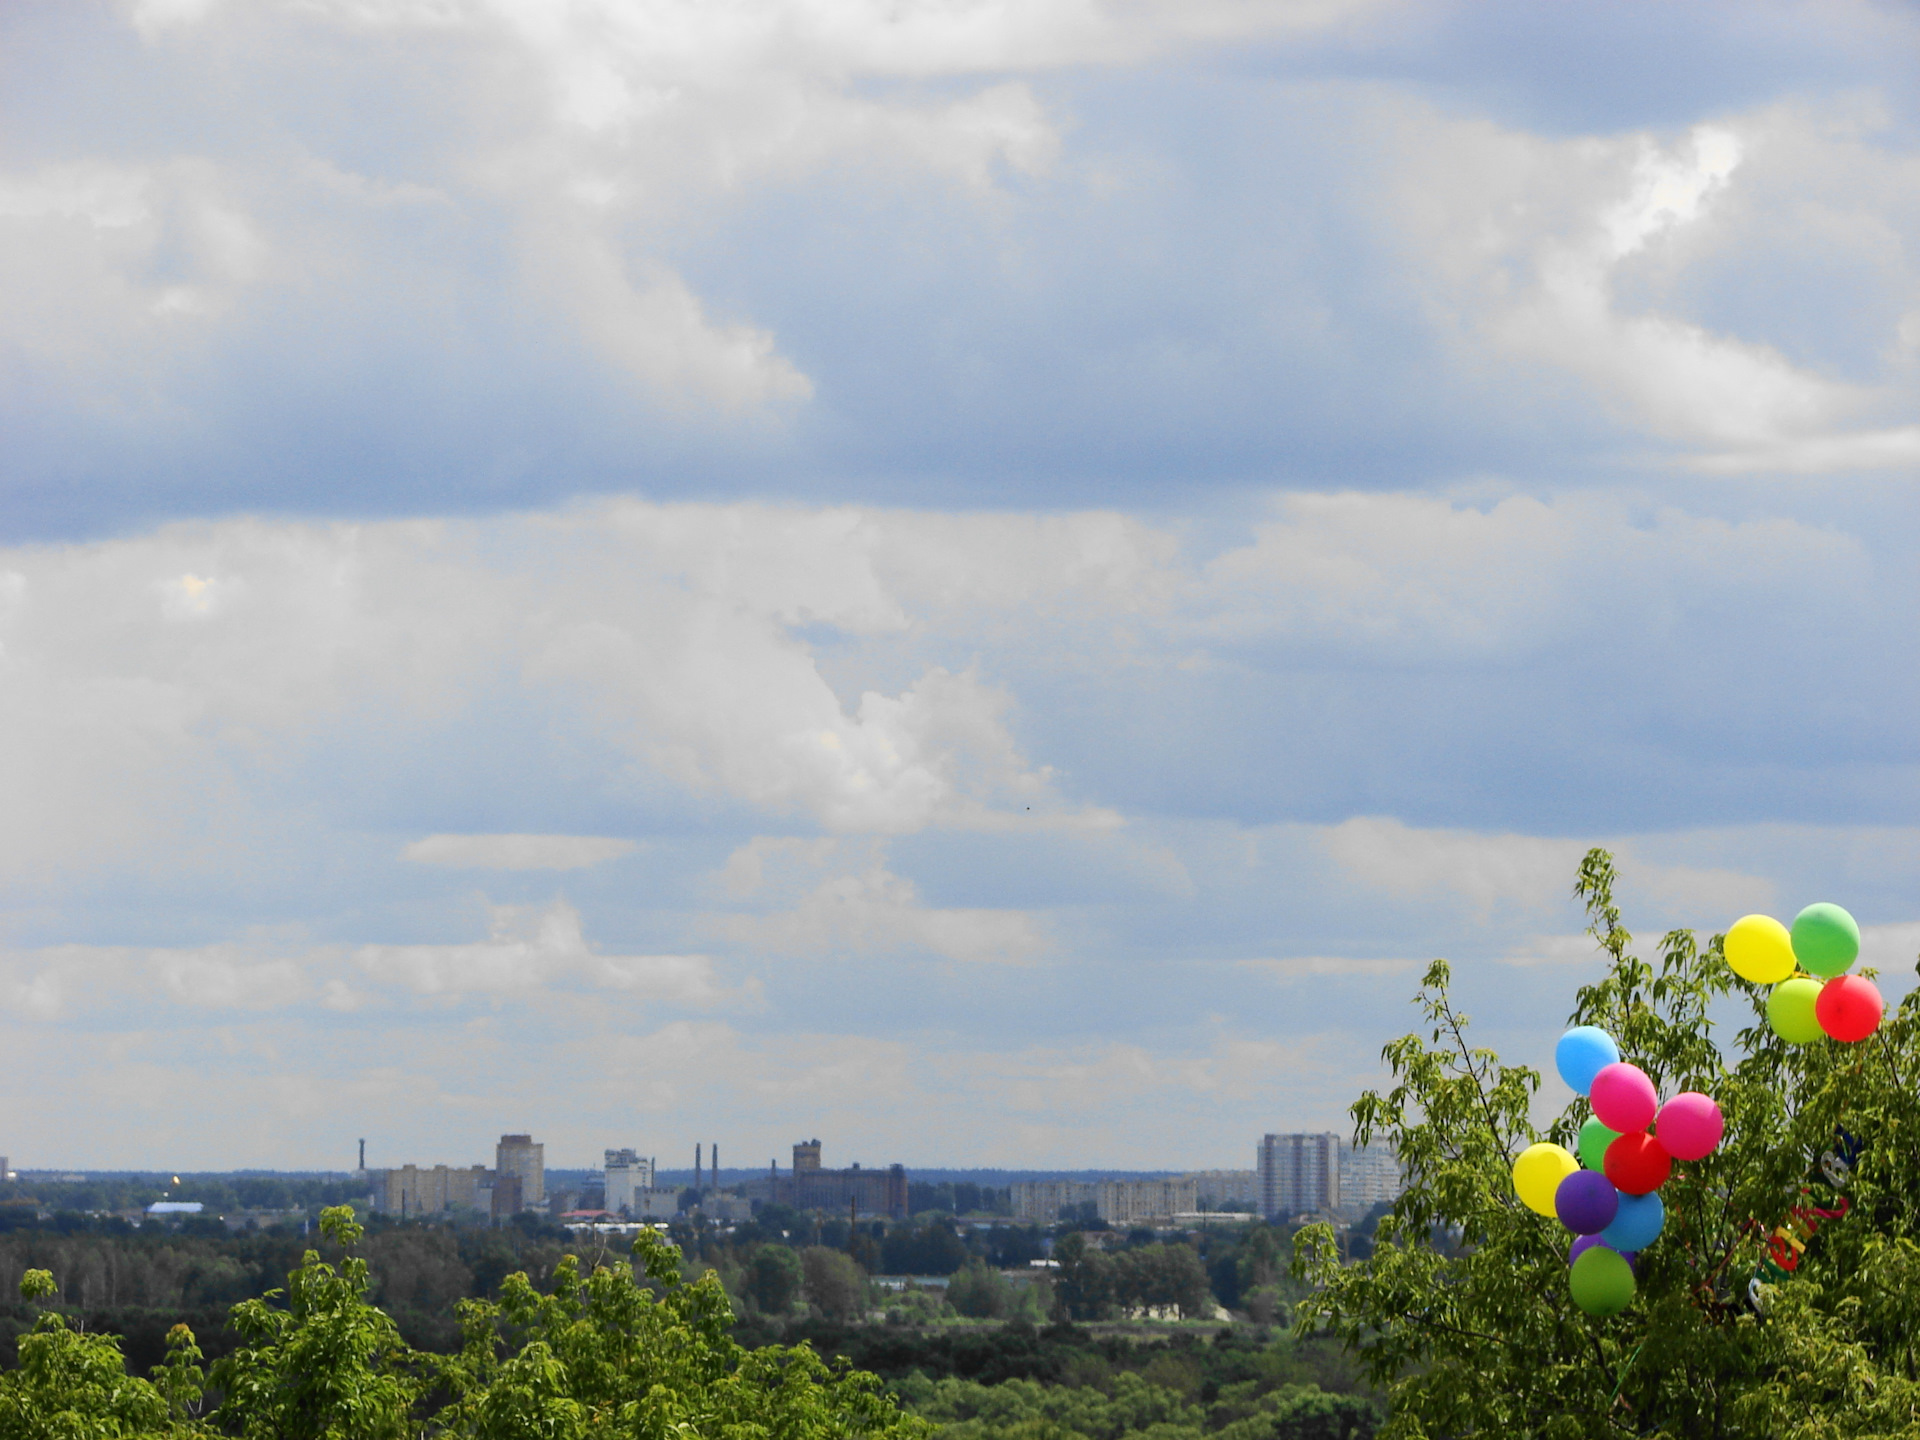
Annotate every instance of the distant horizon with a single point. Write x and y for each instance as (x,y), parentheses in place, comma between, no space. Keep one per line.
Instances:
(728,1176)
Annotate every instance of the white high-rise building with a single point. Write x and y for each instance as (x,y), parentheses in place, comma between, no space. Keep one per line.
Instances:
(1299,1175)
(1368,1175)
(628,1173)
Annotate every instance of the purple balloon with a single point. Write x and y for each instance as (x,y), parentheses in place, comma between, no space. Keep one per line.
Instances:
(1586,1202)
(1587,1242)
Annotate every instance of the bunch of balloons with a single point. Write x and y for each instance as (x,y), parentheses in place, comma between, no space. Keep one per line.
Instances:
(1807,966)
(1609,1196)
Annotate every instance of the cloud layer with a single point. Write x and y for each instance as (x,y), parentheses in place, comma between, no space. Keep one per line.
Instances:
(1045,802)
(513,252)
(983,580)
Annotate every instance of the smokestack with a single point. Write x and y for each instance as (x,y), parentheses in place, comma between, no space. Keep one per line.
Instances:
(696,1167)
(715,1172)
(363,1155)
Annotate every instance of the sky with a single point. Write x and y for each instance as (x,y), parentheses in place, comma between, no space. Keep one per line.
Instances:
(984,580)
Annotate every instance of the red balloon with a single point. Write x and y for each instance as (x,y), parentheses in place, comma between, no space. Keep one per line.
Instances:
(1849,1008)
(1637,1165)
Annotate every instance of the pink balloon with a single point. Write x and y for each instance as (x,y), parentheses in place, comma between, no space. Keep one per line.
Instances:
(1623,1097)
(1690,1125)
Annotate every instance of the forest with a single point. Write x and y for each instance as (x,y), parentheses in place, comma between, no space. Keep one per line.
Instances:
(988,1360)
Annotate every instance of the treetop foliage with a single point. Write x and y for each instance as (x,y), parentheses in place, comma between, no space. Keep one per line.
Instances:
(1781,1300)
(611,1353)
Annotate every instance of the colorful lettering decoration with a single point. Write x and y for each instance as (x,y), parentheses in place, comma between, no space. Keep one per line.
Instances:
(1787,1241)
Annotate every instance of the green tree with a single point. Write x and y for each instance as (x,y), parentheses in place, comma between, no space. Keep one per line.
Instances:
(834,1283)
(327,1367)
(979,1293)
(603,1357)
(1163,1277)
(1462,1310)
(1086,1286)
(930,1249)
(774,1278)
(72,1386)
(605,1354)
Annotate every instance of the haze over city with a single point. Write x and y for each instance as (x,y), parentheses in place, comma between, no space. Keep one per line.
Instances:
(988,582)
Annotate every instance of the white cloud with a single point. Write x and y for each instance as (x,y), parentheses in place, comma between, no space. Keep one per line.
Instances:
(1894,950)
(611,121)
(108,269)
(654,327)
(516,852)
(148,679)
(531,948)
(589,44)
(597,129)
(1097,1080)
(1484,870)
(1527,872)
(701,678)
(1295,968)
(1574,252)
(534,952)
(62,981)
(222,977)
(144,676)
(1552,950)
(1422,575)
(861,907)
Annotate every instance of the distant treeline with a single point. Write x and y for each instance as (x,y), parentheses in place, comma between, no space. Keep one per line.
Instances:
(226,1193)
(221,1194)
(781,1269)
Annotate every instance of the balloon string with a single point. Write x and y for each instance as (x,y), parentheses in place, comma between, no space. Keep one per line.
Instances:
(1621,1383)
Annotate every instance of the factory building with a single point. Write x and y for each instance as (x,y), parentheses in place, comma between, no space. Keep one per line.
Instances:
(812,1187)
(628,1174)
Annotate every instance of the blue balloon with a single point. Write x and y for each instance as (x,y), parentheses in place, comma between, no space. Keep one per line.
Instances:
(1637,1223)
(1583,1052)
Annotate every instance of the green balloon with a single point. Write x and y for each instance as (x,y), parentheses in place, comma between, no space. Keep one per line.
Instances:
(1602,1281)
(1825,940)
(1790,1010)
(1593,1142)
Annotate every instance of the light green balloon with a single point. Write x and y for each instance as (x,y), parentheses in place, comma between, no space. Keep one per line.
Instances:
(1825,940)
(1790,1010)
(1593,1142)
(1602,1282)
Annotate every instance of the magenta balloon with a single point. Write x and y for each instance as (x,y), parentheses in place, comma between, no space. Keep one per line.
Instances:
(1623,1098)
(1690,1125)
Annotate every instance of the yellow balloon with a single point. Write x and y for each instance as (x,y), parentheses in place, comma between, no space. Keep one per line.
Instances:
(1760,949)
(1538,1173)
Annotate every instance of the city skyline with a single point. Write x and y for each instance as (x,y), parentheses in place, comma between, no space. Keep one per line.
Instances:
(986,582)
